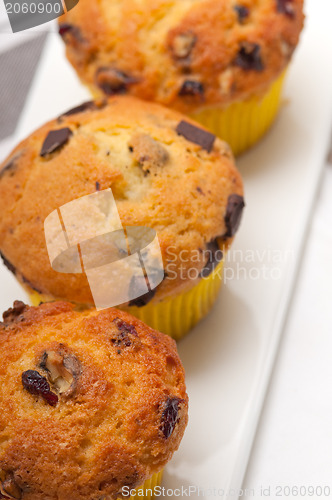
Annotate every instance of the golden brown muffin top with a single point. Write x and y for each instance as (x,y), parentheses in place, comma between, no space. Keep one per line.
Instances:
(185,54)
(164,171)
(90,402)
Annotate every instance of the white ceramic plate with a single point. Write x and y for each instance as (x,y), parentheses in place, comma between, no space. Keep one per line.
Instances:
(229,356)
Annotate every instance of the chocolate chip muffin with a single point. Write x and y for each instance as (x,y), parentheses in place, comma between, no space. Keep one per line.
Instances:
(92,403)
(202,58)
(165,172)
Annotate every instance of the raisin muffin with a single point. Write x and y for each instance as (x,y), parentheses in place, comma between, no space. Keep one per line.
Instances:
(220,61)
(93,404)
(165,173)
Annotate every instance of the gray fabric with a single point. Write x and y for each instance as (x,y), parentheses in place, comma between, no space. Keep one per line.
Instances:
(17,68)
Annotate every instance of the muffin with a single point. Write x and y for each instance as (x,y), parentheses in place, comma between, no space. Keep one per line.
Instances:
(93,404)
(165,173)
(220,61)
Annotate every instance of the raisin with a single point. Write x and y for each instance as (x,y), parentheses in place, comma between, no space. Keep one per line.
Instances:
(249,57)
(235,206)
(37,385)
(286,7)
(242,12)
(124,332)
(169,417)
(67,30)
(192,88)
(113,81)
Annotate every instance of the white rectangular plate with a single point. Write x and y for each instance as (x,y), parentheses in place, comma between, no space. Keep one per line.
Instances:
(229,356)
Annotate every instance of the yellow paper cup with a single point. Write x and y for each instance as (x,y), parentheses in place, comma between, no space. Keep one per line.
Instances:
(146,492)
(177,315)
(242,124)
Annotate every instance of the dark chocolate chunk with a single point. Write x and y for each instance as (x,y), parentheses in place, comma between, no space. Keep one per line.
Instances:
(13,312)
(197,135)
(235,206)
(169,417)
(97,186)
(55,140)
(125,331)
(37,385)
(113,81)
(242,12)
(8,264)
(10,166)
(148,296)
(192,88)
(86,106)
(215,256)
(144,299)
(249,57)
(286,7)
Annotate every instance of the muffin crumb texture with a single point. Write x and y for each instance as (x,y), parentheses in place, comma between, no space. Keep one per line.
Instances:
(90,402)
(187,54)
(165,171)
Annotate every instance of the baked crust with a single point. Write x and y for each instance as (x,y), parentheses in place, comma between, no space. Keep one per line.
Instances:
(109,432)
(226,50)
(158,178)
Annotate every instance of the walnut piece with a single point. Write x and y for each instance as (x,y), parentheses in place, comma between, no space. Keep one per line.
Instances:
(8,487)
(63,370)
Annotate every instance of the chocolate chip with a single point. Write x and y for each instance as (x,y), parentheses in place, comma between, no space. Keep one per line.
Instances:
(97,186)
(235,206)
(86,106)
(113,81)
(183,45)
(10,166)
(215,256)
(37,385)
(286,7)
(192,88)
(169,417)
(143,300)
(242,12)
(8,264)
(197,135)
(13,312)
(55,140)
(249,57)
(125,331)
(136,285)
